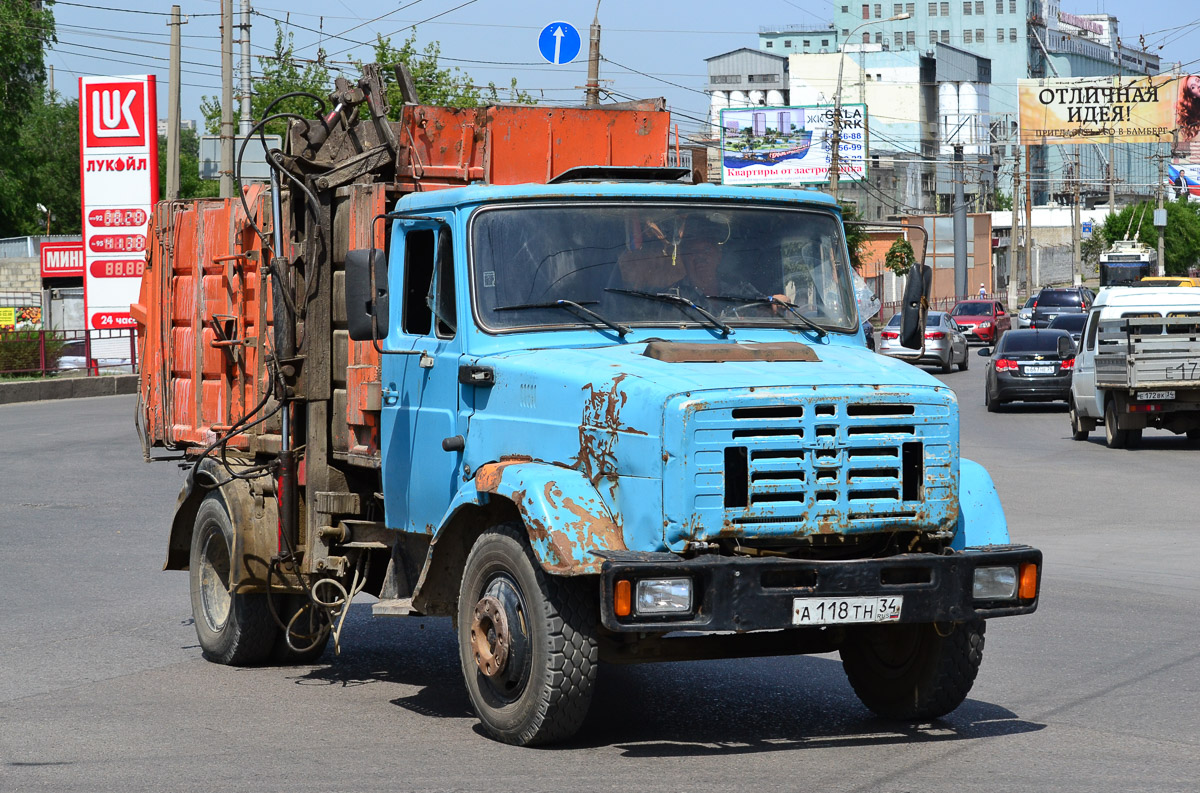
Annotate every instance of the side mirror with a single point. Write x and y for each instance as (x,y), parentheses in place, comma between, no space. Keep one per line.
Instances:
(916,306)
(366,303)
(986,352)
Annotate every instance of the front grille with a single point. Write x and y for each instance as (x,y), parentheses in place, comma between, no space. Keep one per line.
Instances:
(863,461)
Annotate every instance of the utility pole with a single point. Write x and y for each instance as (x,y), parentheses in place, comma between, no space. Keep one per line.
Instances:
(1112,179)
(1012,240)
(246,121)
(226,98)
(1028,228)
(960,227)
(592,92)
(51,82)
(1161,268)
(173,109)
(1076,228)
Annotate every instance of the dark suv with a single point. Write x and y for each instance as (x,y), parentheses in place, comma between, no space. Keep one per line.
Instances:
(1067,300)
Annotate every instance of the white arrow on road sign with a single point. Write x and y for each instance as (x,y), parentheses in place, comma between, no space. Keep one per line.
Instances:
(559,43)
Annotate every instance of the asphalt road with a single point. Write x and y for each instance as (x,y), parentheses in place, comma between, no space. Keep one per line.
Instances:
(102,686)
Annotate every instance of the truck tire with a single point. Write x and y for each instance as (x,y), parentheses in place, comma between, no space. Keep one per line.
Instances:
(233,628)
(527,641)
(1114,436)
(1079,425)
(913,672)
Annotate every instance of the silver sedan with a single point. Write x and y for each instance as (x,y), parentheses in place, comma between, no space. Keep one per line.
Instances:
(945,344)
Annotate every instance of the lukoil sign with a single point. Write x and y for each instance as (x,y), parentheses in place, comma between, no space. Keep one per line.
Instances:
(119,168)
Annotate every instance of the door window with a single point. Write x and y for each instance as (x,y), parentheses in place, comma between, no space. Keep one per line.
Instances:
(418,280)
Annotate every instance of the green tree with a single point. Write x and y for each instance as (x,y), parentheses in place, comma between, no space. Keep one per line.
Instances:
(1181,239)
(444,87)
(44,152)
(26,28)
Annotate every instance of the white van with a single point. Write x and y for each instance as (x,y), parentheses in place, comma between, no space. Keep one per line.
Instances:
(1138,365)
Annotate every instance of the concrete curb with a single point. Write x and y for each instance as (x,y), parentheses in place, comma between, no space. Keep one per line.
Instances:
(67,388)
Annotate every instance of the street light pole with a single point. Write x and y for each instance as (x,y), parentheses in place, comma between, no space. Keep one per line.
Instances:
(835,160)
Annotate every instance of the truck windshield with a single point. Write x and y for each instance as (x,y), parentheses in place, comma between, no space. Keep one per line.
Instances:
(728,260)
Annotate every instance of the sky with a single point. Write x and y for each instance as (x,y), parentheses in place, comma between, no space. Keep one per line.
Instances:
(651,47)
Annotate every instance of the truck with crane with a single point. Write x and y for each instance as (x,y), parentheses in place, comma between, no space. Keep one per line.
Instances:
(502,365)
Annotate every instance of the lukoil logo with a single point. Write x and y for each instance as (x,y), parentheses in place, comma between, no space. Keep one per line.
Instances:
(116,114)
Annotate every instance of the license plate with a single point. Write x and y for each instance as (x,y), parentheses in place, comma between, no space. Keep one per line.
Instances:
(1039,370)
(1157,395)
(837,611)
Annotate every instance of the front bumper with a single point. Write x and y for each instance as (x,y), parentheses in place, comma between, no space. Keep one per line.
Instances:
(751,594)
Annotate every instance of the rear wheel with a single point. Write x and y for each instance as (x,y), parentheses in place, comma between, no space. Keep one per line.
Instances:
(992,404)
(1114,436)
(527,641)
(233,628)
(914,672)
(1079,430)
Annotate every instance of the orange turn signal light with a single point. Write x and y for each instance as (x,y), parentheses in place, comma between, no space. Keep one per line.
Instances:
(623,598)
(1029,581)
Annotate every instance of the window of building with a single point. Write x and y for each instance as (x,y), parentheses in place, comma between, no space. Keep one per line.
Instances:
(824,42)
(999,6)
(933,37)
(979,7)
(897,9)
(967,7)
(845,33)
(933,9)
(1000,35)
(770,45)
(966,37)
(1012,34)
(879,10)
(845,9)
(787,42)
(866,38)
(978,35)
(1012,6)
(866,11)
(911,38)
(944,8)
(910,8)
(878,38)
(898,39)
(945,37)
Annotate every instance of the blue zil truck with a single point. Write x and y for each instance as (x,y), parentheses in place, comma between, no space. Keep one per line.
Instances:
(501,365)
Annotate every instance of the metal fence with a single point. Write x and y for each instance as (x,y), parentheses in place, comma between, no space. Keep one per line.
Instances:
(30,247)
(58,353)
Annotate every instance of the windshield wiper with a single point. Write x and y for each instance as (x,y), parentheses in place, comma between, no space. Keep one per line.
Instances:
(578,309)
(677,300)
(788,306)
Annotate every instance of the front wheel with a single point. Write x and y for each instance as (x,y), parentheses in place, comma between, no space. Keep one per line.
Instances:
(914,672)
(233,628)
(966,361)
(526,641)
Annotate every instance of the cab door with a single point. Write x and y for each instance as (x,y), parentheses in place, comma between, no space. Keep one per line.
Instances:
(421,393)
(1083,382)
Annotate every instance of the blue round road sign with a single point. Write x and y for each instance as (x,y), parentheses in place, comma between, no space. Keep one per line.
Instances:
(558,42)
